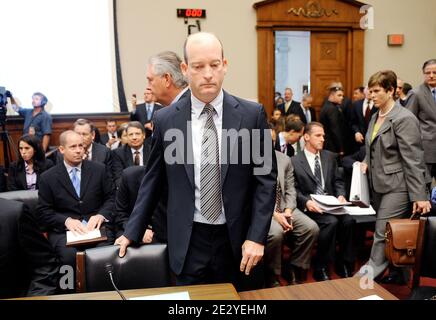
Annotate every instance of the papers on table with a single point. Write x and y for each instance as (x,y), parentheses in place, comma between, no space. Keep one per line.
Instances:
(167,296)
(372,297)
(331,204)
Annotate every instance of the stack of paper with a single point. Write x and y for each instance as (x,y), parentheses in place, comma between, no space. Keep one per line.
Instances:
(330,204)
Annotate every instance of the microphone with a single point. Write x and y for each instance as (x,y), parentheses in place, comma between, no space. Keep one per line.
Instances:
(110,270)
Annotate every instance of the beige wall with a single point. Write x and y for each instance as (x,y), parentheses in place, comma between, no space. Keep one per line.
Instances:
(147,27)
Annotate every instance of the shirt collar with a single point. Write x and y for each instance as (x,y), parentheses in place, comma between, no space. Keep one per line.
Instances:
(310,155)
(69,168)
(179,95)
(282,139)
(217,103)
(134,150)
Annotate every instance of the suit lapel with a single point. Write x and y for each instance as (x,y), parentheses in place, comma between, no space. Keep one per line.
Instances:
(182,121)
(305,164)
(324,166)
(386,125)
(281,173)
(429,97)
(22,177)
(231,120)
(64,179)
(85,177)
(128,156)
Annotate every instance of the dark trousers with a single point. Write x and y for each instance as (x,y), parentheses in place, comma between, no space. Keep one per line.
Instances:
(210,260)
(334,228)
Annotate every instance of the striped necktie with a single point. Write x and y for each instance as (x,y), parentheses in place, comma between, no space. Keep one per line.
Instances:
(319,188)
(210,174)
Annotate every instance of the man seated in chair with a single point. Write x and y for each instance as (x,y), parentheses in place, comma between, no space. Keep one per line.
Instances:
(316,173)
(74,195)
(291,225)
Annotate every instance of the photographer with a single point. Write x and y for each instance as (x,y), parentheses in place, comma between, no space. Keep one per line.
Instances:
(36,120)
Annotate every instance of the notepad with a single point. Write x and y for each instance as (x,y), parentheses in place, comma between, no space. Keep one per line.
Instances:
(166,296)
(88,238)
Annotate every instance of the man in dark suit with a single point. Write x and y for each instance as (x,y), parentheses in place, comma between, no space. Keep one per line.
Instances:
(110,139)
(144,112)
(304,110)
(316,173)
(134,153)
(422,103)
(333,119)
(289,104)
(28,265)
(288,141)
(362,112)
(219,212)
(75,195)
(125,202)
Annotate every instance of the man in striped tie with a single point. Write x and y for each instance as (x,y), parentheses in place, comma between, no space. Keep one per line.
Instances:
(219,203)
(316,173)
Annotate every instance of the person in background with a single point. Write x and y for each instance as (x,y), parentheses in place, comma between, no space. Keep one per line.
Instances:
(24,173)
(358,93)
(110,139)
(276,115)
(37,121)
(288,104)
(122,133)
(144,112)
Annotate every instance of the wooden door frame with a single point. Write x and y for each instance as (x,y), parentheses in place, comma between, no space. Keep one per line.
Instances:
(271,18)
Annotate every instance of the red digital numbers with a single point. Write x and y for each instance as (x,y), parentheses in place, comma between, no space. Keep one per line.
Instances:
(191,13)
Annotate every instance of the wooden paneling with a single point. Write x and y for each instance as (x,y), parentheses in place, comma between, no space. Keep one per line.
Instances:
(14,126)
(341,49)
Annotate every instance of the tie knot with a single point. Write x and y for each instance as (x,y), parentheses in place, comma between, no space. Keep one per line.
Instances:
(316,158)
(74,170)
(208,109)
(136,152)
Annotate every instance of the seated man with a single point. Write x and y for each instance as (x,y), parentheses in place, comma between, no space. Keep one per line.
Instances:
(28,265)
(135,153)
(316,173)
(110,139)
(125,201)
(289,224)
(74,195)
(288,141)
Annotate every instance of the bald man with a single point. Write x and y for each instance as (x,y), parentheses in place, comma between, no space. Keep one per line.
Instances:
(219,210)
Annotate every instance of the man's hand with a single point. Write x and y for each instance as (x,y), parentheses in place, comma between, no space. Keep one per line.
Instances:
(313,207)
(359,137)
(252,253)
(123,242)
(95,222)
(75,226)
(283,219)
(421,207)
(148,236)
(149,126)
(111,141)
(342,199)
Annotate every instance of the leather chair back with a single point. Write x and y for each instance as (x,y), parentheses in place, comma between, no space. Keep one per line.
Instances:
(146,266)
(29,197)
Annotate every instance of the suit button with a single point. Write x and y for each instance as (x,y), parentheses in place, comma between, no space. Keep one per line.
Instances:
(80,201)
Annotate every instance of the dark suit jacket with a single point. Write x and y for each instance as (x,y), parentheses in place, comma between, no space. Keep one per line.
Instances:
(294,105)
(125,199)
(28,264)
(248,199)
(122,159)
(140,114)
(58,199)
(305,181)
(17,178)
(333,119)
(289,149)
(358,123)
(296,109)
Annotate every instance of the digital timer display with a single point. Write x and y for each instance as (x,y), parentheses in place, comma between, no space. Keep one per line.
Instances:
(191,13)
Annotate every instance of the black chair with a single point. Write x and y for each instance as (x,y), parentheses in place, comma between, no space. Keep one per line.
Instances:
(145,266)
(425,263)
(28,197)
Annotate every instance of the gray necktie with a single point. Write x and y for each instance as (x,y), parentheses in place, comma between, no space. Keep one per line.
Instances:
(210,174)
(434,95)
(319,188)
(149,112)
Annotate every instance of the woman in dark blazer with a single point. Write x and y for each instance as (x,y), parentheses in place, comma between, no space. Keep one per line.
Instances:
(395,164)
(25,172)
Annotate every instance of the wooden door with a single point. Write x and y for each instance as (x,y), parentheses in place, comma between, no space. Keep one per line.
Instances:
(328,63)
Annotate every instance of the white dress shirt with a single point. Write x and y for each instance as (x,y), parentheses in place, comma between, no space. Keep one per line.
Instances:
(198,122)
(116,143)
(365,106)
(311,159)
(141,159)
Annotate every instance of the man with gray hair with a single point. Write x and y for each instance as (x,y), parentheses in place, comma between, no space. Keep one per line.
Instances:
(165,78)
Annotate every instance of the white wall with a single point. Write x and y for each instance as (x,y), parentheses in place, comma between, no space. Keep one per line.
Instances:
(147,27)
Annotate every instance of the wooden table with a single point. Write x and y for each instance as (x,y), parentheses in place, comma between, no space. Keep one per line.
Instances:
(342,289)
(224,291)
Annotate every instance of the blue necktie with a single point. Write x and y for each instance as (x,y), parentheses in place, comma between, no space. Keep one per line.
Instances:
(148,112)
(75,180)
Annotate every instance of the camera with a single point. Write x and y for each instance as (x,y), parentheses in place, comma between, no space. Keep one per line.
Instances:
(4,95)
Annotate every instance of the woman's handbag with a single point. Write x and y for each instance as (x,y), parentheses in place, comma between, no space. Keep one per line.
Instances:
(400,237)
